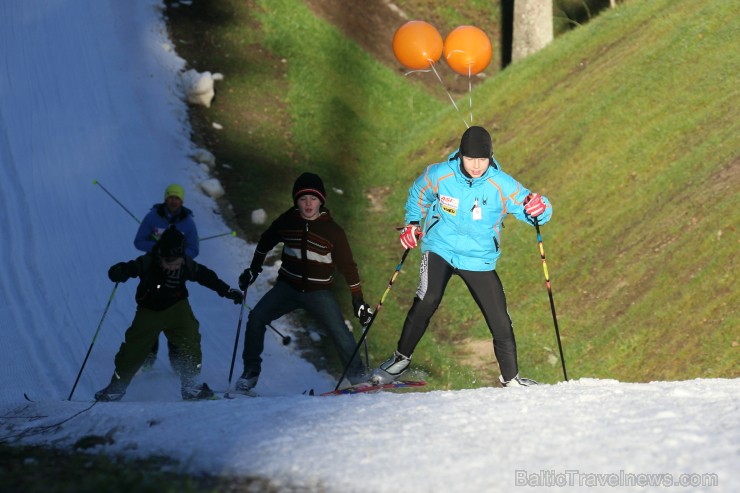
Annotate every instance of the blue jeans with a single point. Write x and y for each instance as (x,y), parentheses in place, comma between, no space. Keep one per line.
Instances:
(283,299)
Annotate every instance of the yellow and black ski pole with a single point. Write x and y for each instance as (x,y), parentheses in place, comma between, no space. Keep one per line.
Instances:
(549,292)
(366,329)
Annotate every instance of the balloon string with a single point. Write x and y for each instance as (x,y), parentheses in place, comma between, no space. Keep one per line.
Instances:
(448,93)
(470,94)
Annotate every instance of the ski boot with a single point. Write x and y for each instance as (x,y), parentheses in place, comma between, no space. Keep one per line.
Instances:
(391,369)
(247,381)
(517,381)
(194,392)
(112,393)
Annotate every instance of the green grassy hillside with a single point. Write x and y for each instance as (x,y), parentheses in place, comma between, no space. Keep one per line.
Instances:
(629,125)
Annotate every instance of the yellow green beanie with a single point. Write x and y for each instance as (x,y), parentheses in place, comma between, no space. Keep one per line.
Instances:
(174,190)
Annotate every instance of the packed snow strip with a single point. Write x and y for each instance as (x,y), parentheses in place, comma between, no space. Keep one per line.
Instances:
(490,439)
(126,129)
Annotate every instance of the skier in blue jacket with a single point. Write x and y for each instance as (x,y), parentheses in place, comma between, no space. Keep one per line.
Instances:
(162,216)
(457,208)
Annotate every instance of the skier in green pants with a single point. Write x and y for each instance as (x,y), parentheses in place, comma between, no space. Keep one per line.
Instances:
(162,306)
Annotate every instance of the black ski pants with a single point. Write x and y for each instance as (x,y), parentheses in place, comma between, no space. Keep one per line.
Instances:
(488,293)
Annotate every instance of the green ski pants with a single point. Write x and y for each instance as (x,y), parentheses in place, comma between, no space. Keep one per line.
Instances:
(183,340)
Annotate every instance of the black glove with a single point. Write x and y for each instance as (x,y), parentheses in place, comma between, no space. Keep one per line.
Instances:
(235,295)
(362,311)
(119,272)
(248,277)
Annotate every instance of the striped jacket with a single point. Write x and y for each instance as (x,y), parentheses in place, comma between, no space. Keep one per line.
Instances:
(312,250)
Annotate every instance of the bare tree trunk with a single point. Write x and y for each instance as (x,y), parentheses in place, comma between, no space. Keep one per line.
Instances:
(532,27)
(507,28)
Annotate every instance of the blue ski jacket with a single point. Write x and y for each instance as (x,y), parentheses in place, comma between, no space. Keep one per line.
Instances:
(461,217)
(158,219)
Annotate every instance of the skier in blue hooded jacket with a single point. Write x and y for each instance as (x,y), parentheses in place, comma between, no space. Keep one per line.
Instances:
(456,208)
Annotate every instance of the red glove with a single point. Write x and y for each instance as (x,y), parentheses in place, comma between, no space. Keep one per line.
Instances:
(533,205)
(410,236)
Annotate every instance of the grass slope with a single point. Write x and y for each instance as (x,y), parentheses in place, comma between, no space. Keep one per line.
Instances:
(631,128)
(628,124)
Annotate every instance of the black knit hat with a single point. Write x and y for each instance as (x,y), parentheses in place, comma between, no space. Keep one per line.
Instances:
(170,244)
(476,142)
(309,184)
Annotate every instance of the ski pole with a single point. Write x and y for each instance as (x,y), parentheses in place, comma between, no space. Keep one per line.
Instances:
(372,319)
(367,356)
(286,339)
(110,299)
(236,343)
(96,182)
(549,292)
(232,233)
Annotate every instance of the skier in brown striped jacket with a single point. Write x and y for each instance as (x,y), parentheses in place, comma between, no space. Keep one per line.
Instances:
(314,246)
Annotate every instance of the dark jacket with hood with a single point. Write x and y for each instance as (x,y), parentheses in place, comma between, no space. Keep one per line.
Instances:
(160,289)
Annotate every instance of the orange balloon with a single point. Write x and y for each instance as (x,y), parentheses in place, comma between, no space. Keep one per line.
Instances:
(467,50)
(417,45)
